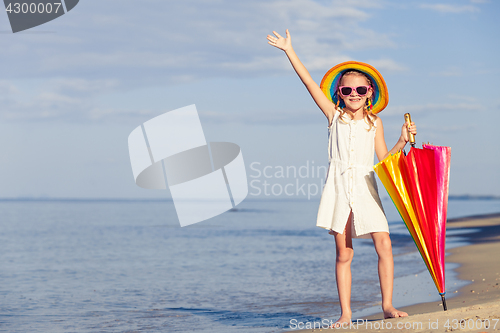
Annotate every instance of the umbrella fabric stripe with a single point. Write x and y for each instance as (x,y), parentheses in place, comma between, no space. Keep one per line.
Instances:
(427,170)
(442,158)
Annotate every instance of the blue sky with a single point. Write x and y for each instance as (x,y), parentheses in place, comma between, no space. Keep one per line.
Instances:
(73,89)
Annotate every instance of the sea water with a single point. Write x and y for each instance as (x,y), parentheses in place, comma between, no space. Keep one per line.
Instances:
(127,266)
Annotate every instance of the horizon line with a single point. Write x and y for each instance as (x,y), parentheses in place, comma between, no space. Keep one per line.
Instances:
(450,197)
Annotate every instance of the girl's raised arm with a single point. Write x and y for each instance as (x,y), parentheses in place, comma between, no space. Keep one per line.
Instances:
(321,100)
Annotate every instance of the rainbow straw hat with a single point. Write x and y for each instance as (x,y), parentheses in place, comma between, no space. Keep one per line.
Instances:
(330,83)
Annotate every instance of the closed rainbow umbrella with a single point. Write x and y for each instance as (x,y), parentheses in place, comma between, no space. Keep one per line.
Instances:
(418,184)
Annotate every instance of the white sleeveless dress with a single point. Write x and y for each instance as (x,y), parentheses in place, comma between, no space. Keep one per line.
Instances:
(350,182)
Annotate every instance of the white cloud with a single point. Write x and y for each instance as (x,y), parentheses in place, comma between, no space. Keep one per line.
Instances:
(311,11)
(465,98)
(324,63)
(402,109)
(449,72)
(124,46)
(52,99)
(464,128)
(455,9)
(160,41)
(7,88)
(387,65)
(264,116)
(363,3)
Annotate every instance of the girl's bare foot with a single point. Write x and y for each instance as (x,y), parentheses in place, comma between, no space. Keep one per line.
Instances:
(393,313)
(343,320)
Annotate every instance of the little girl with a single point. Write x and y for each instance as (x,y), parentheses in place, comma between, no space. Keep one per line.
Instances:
(350,206)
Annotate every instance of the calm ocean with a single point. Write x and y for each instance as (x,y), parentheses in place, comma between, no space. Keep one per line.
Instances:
(127,266)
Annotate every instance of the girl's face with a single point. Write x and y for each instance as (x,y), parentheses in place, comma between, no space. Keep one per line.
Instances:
(354,102)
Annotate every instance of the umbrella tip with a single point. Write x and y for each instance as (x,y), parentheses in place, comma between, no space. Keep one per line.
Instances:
(444,301)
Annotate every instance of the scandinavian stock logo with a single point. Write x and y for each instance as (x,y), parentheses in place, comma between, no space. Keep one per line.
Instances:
(205,180)
(28,14)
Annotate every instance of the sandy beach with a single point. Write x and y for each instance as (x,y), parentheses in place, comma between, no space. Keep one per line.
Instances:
(476,306)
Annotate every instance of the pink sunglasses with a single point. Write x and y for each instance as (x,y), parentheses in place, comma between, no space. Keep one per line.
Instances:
(361,90)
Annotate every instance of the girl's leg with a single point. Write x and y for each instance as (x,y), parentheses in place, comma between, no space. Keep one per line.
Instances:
(383,246)
(343,244)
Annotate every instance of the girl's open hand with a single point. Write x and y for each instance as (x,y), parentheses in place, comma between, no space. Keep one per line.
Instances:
(279,41)
(404,130)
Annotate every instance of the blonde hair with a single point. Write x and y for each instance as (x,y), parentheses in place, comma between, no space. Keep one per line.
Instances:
(369,117)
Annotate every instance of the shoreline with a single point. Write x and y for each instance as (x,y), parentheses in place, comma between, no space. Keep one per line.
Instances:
(475,303)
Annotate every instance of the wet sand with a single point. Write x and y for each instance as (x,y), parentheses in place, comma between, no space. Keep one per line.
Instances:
(474,305)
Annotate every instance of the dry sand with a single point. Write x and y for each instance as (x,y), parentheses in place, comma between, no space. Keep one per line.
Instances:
(476,304)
